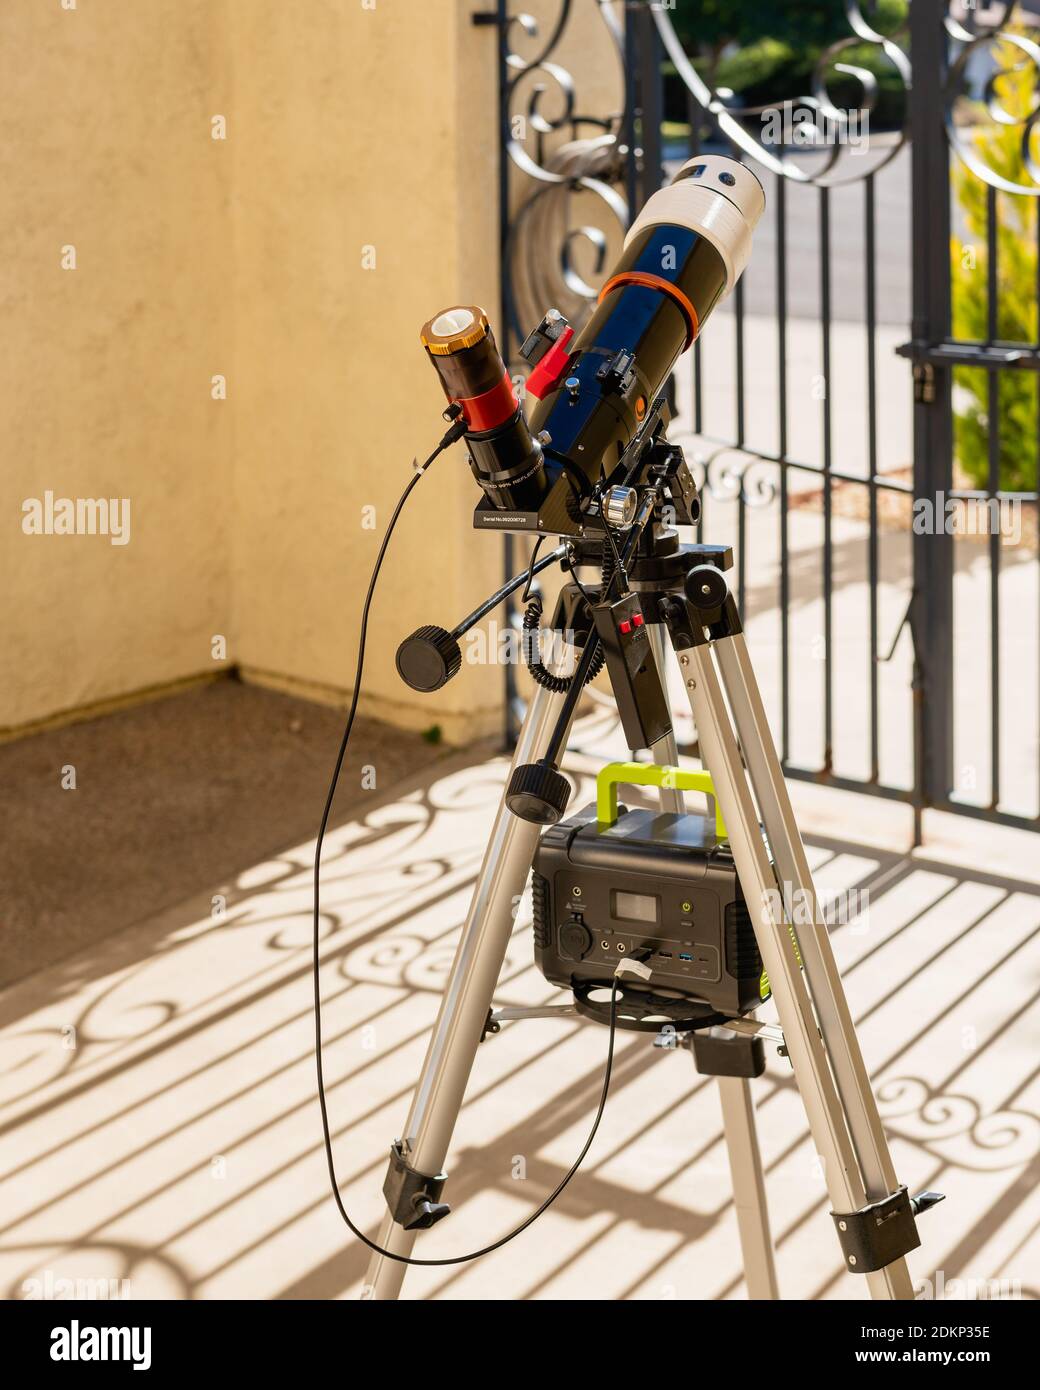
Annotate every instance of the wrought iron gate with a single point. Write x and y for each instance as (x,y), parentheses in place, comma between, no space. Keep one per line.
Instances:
(866,393)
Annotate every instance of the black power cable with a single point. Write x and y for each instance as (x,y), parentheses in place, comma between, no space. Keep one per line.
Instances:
(456,432)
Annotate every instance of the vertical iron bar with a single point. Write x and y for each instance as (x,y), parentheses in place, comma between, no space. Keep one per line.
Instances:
(648,58)
(993,488)
(628,127)
(510,721)
(739,315)
(869,212)
(781,341)
(742,517)
(698,401)
(742,549)
(696,117)
(828,539)
(933,424)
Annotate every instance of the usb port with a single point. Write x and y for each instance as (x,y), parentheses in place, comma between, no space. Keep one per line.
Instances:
(685,955)
(665,953)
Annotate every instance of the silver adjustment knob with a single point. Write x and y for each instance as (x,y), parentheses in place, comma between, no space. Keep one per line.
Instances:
(619,506)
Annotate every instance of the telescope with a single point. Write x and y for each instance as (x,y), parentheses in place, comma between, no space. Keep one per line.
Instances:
(572,466)
(593,464)
(656,920)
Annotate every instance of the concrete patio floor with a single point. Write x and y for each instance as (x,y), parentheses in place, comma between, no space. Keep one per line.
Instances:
(159,1122)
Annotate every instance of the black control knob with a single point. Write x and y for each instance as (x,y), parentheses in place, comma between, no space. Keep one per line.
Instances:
(706,587)
(538,793)
(429,658)
(575,939)
(427,1213)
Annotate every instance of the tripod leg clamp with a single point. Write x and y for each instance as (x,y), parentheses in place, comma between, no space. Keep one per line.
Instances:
(413,1197)
(714,1054)
(877,1234)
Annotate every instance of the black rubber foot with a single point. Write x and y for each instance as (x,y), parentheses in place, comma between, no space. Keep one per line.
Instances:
(706,587)
(538,793)
(428,659)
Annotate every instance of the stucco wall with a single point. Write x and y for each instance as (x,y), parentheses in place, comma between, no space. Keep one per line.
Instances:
(104,147)
(347,128)
(365,200)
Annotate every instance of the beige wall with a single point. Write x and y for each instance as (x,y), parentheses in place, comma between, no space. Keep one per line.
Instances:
(104,146)
(356,129)
(347,127)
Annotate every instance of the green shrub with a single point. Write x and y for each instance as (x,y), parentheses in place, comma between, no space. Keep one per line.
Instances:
(766,53)
(1016,316)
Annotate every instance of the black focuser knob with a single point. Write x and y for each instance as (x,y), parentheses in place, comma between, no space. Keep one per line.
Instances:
(429,658)
(706,587)
(538,793)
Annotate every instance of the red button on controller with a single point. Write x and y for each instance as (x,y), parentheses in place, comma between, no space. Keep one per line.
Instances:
(626,626)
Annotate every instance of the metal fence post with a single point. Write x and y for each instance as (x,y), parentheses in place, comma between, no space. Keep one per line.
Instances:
(645,62)
(933,555)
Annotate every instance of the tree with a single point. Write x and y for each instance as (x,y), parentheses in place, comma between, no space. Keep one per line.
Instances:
(766,53)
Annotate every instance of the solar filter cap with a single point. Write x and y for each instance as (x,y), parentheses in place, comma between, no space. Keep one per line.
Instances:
(454,329)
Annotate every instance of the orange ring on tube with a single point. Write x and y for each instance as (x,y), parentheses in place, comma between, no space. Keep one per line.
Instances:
(657,282)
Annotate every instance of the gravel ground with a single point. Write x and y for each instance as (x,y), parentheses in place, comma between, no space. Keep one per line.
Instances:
(171,797)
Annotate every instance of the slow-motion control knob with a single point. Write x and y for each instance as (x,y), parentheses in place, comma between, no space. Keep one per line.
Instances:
(706,587)
(428,658)
(619,506)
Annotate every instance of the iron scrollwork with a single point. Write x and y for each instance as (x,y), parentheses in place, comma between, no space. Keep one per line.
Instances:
(734,123)
(542,256)
(991,36)
(570,200)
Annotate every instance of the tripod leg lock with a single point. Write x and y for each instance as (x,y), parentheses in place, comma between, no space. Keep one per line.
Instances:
(715,1054)
(413,1197)
(880,1232)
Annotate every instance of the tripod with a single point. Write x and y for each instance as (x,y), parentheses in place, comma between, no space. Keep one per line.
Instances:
(684,593)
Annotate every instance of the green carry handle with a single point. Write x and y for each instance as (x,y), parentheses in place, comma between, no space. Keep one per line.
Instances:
(677,778)
(652,775)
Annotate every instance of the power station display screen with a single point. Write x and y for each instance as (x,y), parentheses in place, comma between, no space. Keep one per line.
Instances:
(636,907)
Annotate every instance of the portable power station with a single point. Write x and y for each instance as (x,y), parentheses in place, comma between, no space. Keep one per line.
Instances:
(660,888)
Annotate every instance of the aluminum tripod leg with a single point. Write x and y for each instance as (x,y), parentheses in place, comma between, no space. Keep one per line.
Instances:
(738,1108)
(810,1046)
(792,866)
(467,998)
(749,1187)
